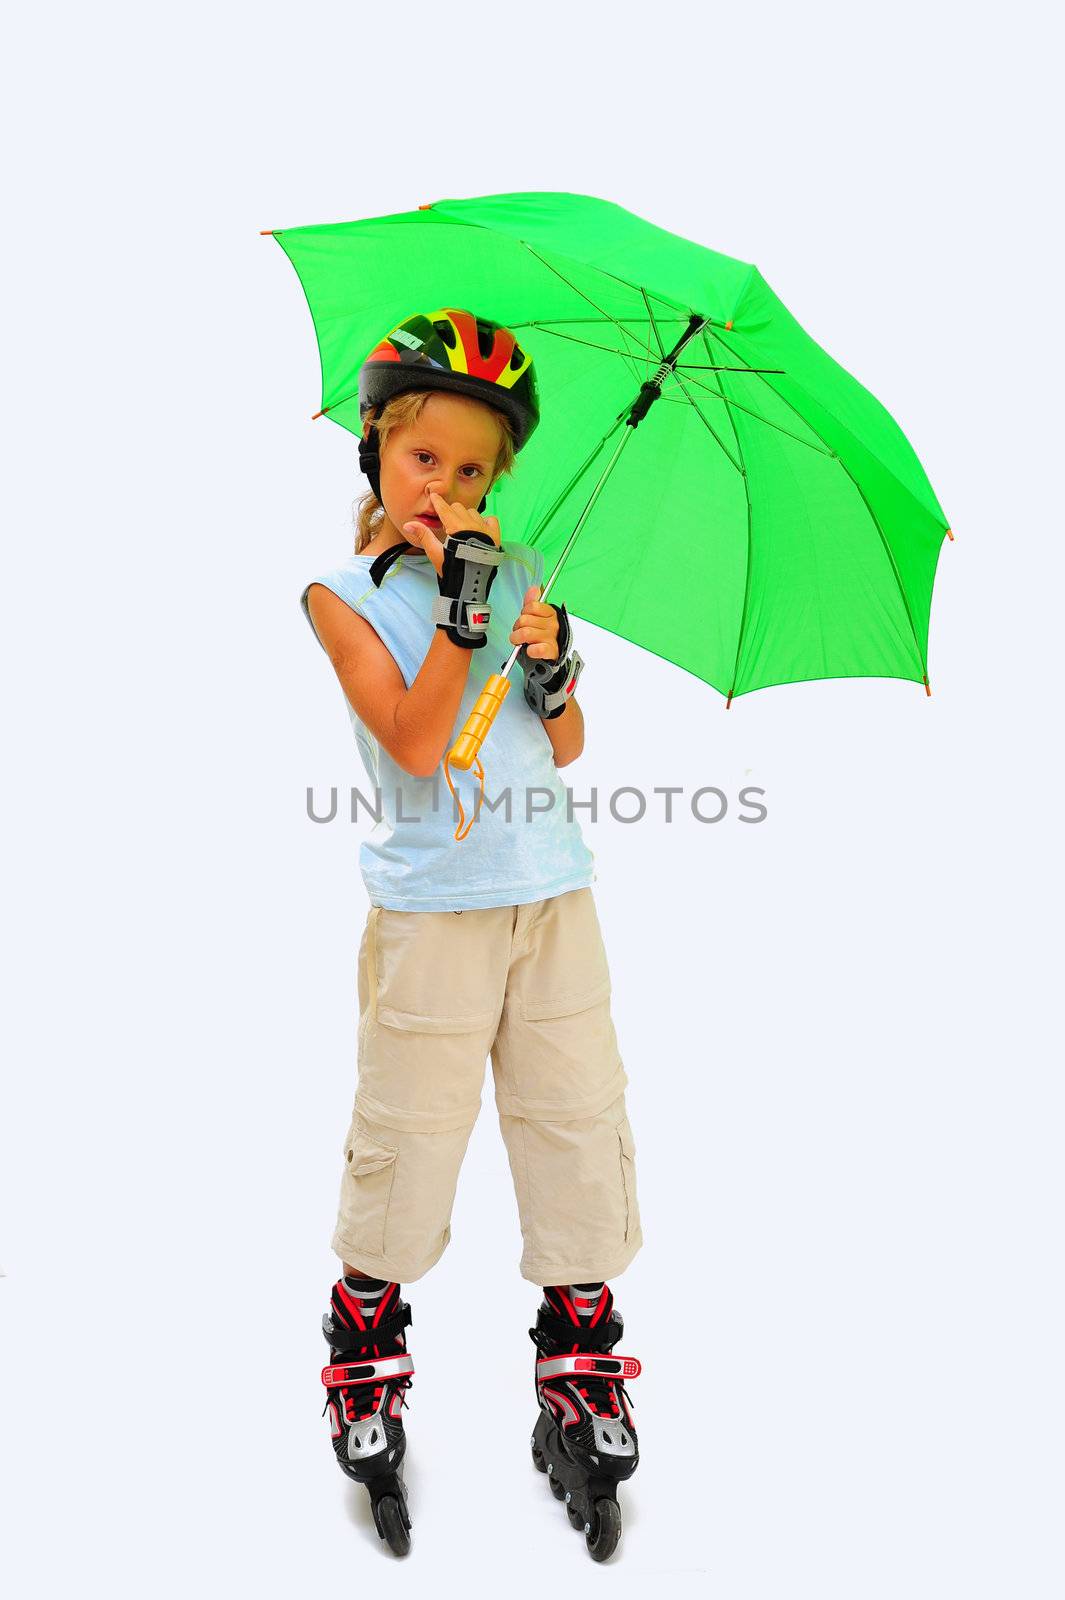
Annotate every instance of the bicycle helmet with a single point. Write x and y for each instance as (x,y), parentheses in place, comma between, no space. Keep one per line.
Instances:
(451,350)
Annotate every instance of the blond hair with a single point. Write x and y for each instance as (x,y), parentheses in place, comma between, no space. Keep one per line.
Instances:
(402,411)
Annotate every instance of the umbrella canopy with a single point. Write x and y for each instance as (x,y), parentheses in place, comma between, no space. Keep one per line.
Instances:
(768,523)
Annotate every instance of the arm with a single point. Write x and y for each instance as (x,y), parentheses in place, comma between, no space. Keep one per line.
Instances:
(414,725)
(537,628)
(566,734)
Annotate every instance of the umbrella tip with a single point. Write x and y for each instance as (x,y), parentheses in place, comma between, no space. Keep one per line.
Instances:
(266,233)
(317,414)
(728,324)
(728,702)
(927,690)
(950,536)
(428,207)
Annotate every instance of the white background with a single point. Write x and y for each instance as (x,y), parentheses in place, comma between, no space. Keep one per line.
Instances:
(838,1026)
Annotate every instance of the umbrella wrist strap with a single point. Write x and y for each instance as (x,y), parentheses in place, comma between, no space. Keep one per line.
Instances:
(549,685)
(461,609)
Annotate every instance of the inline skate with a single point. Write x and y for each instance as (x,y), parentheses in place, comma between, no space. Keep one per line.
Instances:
(366,1381)
(584,1439)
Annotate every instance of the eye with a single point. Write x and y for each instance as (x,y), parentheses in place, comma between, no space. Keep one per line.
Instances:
(427,455)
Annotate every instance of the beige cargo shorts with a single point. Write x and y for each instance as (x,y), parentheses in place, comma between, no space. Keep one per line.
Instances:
(438,992)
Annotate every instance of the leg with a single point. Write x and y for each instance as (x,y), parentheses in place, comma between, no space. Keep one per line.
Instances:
(428,1014)
(560,1085)
(584,1437)
(560,1093)
(430,990)
(366,1380)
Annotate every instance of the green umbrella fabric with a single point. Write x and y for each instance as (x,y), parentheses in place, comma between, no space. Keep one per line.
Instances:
(768,521)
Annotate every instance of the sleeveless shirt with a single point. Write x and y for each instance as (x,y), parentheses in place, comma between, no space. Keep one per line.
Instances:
(525,844)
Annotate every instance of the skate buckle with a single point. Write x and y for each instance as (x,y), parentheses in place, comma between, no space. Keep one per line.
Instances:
(376,1371)
(588,1367)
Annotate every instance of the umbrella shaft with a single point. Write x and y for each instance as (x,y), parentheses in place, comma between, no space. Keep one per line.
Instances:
(546,590)
(649,392)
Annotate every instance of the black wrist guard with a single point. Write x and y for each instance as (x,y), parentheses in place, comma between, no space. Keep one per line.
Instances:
(471,561)
(549,684)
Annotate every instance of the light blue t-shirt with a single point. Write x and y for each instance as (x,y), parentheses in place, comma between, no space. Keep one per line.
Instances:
(531,849)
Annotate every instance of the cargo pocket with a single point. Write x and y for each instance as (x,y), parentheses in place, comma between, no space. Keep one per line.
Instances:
(371,1170)
(567,1005)
(425,978)
(557,1056)
(627,1152)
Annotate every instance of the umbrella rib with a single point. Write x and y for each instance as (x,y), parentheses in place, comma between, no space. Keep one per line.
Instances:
(715,394)
(728,403)
(583,294)
(663,299)
(710,427)
(654,325)
(894,567)
(876,521)
(626,355)
(608,349)
(903,486)
(585,464)
(696,367)
(552,322)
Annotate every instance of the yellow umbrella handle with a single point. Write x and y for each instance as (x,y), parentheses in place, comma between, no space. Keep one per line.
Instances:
(463,752)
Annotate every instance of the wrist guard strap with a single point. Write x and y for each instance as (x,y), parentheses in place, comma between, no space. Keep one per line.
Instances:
(549,684)
(471,561)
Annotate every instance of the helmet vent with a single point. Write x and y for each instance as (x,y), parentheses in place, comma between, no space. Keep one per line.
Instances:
(446,332)
(517,356)
(486,339)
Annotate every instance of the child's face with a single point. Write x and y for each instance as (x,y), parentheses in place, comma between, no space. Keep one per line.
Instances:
(451,449)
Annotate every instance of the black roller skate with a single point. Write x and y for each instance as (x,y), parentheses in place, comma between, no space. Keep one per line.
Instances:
(584,1438)
(365,1384)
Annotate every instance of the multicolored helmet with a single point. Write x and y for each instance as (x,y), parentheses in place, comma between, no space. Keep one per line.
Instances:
(456,351)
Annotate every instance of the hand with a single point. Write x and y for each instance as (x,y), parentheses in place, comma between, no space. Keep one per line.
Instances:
(456,518)
(537,626)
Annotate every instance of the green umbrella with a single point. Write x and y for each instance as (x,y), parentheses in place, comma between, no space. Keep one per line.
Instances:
(721,491)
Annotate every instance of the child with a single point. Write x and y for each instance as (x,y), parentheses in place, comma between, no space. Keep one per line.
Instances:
(490,945)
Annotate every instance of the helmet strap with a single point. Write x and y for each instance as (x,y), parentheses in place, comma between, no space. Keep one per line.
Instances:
(370,459)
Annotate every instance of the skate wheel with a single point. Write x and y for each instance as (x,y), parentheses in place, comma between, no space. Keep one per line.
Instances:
(538,1459)
(576,1518)
(557,1489)
(393,1527)
(602,1538)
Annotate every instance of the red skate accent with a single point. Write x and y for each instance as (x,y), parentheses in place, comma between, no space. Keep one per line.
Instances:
(390,1293)
(351,1305)
(569,1306)
(563,1404)
(354,1372)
